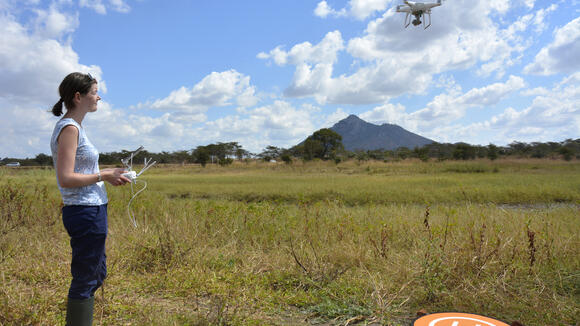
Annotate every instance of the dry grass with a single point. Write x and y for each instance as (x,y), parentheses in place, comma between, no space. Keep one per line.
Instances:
(202,256)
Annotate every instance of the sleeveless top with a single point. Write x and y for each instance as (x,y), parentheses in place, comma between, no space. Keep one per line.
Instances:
(86,162)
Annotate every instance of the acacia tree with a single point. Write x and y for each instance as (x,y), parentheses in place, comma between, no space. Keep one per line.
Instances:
(201,155)
(323,144)
(271,152)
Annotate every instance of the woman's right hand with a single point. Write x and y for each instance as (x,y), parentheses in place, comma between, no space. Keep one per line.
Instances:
(115,176)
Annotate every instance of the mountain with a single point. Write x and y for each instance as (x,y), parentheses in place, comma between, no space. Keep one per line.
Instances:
(359,134)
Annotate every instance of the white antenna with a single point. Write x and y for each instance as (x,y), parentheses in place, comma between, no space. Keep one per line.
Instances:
(132,175)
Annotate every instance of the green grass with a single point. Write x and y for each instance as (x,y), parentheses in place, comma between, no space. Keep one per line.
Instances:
(309,243)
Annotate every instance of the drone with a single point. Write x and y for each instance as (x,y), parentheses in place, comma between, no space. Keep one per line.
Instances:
(417,9)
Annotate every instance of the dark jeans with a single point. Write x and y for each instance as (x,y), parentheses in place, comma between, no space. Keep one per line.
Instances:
(87,228)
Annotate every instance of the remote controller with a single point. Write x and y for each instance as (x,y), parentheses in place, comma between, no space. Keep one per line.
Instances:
(131,175)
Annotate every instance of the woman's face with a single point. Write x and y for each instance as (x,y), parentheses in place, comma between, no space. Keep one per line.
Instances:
(89,100)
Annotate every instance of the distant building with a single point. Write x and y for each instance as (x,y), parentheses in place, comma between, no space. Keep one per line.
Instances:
(13,164)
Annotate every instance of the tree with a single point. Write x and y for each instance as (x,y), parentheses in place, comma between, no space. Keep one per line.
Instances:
(201,155)
(464,151)
(286,158)
(43,159)
(242,153)
(422,153)
(403,152)
(313,149)
(271,152)
(566,152)
(492,152)
(519,148)
(323,144)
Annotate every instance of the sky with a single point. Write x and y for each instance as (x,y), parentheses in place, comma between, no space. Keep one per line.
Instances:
(174,75)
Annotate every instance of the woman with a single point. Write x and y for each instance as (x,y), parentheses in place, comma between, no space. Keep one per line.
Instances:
(83,192)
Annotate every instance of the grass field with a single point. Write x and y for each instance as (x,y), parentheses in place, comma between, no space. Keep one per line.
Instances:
(302,244)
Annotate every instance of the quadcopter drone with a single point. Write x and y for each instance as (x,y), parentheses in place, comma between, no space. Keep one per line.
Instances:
(417,9)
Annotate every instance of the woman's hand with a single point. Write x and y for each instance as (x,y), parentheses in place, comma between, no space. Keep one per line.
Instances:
(114,176)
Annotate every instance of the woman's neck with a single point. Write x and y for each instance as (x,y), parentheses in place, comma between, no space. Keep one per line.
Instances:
(76,115)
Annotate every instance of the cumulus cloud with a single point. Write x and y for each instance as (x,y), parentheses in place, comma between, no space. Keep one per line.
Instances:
(33,62)
(553,115)
(359,9)
(560,56)
(390,60)
(445,108)
(54,24)
(278,123)
(452,42)
(335,117)
(323,10)
(100,6)
(305,53)
(218,89)
(31,65)
(111,129)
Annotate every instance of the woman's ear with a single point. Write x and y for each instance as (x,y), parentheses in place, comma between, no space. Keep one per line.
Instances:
(77,98)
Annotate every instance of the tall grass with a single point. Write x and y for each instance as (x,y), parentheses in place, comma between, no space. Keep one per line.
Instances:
(303,244)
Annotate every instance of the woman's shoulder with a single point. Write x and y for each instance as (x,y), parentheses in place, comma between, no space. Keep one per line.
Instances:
(67,126)
(66,122)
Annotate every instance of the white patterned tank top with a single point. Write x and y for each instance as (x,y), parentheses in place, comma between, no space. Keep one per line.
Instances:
(86,162)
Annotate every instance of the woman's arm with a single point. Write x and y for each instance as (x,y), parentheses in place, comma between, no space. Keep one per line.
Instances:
(66,151)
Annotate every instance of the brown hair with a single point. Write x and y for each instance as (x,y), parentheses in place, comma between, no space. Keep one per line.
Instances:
(71,84)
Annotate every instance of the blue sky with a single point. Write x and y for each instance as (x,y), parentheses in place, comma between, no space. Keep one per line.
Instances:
(177,74)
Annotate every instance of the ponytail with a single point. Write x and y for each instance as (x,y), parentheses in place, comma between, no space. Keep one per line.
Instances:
(57,108)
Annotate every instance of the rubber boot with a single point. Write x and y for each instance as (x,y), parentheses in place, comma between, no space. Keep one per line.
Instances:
(80,312)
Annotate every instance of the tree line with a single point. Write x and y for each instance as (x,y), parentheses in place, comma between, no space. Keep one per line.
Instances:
(326,144)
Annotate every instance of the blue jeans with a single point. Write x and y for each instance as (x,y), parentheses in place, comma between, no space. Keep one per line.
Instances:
(87,228)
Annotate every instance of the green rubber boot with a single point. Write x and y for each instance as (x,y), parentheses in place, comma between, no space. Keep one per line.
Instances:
(80,312)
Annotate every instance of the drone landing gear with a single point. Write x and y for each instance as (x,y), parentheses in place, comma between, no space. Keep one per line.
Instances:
(425,18)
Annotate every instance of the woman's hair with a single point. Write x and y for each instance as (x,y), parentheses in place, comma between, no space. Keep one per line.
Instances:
(71,84)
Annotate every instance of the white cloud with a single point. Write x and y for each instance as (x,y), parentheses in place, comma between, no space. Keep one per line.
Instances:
(560,56)
(32,65)
(100,7)
(529,3)
(120,6)
(452,42)
(305,53)
(96,5)
(492,94)
(540,17)
(218,89)
(54,24)
(553,115)
(323,10)
(445,109)
(277,123)
(359,9)
(25,129)
(452,106)
(535,91)
(386,113)
(335,117)
(391,60)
